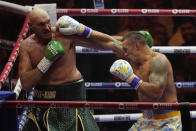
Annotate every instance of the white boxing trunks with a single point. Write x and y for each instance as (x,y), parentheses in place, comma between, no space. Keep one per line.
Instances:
(162,120)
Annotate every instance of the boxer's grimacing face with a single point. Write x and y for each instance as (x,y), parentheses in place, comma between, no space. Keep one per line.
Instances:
(130,52)
(42,27)
(40,23)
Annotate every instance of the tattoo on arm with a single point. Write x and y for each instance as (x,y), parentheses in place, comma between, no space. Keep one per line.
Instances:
(118,45)
(159,71)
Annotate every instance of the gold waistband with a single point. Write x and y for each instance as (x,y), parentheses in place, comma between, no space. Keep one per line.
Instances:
(59,92)
(45,94)
(164,116)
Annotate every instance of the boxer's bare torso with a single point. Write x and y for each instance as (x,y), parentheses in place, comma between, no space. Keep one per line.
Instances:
(144,72)
(63,69)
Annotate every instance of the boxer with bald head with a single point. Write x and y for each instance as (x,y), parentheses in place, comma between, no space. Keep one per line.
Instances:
(47,60)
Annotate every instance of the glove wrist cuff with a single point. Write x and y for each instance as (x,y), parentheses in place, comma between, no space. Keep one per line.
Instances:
(134,81)
(44,65)
(85,31)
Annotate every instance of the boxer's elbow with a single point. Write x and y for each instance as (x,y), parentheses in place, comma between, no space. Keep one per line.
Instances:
(25,84)
(26,87)
(157,93)
(154,93)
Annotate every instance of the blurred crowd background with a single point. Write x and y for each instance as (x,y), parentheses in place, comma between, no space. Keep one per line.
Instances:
(165,30)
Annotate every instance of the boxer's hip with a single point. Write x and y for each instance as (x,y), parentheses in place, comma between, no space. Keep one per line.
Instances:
(160,120)
(71,91)
(160,114)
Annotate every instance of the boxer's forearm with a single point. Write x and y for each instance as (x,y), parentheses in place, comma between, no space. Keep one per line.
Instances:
(30,79)
(69,26)
(119,38)
(106,41)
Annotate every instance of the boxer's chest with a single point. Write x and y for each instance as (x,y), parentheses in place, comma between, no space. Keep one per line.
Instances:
(37,50)
(36,53)
(143,72)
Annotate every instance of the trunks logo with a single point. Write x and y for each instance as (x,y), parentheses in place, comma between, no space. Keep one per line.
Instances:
(113,11)
(152,11)
(179,85)
(117,84)
(83,11)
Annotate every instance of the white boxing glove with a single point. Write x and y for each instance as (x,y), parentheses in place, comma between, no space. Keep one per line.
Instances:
(123,70)
(69,26)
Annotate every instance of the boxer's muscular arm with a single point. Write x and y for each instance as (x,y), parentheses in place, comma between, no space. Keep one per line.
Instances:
(69,26)
(153,90)
(117,37)
(100,41)
(106,41)
(29,77)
